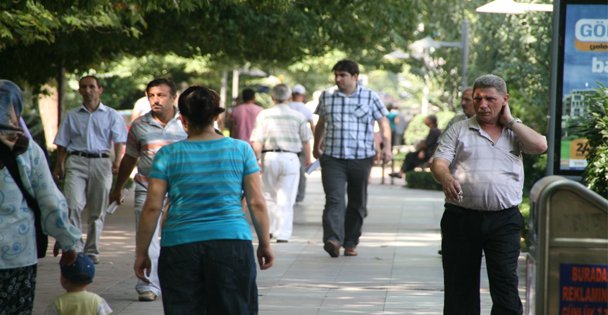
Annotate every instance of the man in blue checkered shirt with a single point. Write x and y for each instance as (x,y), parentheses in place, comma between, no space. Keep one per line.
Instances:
(344,145)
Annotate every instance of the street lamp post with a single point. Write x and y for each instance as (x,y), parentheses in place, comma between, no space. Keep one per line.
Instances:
(421,47)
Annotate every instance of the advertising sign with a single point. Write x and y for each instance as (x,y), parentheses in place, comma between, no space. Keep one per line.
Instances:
(583,289)
(582,68)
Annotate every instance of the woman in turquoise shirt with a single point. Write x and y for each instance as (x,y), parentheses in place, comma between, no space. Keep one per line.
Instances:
(206,263)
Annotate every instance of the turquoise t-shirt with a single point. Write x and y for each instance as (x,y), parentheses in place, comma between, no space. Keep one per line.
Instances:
(205,183)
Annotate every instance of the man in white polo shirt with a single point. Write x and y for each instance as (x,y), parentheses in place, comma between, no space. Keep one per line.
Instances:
(479,164)
(279,136)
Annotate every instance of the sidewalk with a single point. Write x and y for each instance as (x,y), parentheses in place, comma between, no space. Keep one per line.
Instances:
(398,270)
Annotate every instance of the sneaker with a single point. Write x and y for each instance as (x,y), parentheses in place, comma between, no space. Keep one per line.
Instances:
(395,175)
(147,296)
(94,258)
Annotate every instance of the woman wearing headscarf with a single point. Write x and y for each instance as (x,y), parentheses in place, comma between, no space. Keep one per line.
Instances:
(18,251)
(206,263)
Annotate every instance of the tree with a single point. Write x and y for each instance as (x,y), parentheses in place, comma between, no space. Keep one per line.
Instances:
(63,35)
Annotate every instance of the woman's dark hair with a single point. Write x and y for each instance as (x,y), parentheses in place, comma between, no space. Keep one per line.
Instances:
(199,105)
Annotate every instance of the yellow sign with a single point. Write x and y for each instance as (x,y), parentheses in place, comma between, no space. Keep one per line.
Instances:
(579,148)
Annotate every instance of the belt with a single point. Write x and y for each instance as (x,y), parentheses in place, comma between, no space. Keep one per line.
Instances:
(279,150)
(90,155)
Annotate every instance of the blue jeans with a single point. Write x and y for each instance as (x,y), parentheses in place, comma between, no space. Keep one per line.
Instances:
(209,277)
(343,221)
(466,233)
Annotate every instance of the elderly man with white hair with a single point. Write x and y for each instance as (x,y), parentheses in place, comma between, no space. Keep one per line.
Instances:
(280,135)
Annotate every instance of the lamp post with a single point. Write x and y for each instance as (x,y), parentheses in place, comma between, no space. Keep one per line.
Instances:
(421,48)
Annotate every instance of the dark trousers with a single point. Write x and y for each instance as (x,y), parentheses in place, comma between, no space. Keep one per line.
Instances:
(466,233)
(411,161)
(209,277)
(342,221)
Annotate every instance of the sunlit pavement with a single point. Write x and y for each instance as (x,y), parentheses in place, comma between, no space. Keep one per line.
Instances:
(397,271)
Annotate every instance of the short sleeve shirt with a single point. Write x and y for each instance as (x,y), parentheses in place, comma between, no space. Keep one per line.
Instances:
(490,174)
(281,127)
(147,136)
(349,122)
(92,132)
(205,183)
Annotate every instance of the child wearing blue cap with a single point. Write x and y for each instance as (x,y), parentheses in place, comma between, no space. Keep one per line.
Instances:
(77,300)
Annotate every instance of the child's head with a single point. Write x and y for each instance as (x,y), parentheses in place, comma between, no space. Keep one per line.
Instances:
(81,272)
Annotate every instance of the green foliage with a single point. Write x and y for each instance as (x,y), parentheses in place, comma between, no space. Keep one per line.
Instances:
(595,129)
(231,33)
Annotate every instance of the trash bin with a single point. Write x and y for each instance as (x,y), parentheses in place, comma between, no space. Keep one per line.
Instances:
(567,263)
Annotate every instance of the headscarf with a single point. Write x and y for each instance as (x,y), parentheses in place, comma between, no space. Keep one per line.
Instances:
(10,99)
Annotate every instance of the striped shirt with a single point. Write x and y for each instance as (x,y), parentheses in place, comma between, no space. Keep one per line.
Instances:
(281,127)
(349,122)
(490,174)
(91,132)
(147,136)
(205,182)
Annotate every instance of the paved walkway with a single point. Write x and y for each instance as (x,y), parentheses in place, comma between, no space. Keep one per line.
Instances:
(398,270)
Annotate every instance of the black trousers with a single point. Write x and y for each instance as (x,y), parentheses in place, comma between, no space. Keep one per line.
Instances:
(466,234)
(411,161)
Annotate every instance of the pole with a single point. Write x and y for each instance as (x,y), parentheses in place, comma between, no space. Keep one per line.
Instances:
(465,52)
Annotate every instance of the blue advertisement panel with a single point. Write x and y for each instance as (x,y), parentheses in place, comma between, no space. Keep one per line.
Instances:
(583,289)
(584,56)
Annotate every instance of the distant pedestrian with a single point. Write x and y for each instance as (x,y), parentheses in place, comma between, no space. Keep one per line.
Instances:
(479,165)
(206,263)
(280,135)
(140,108)
(344,144)
(401,124)
(242,117)
(75,279)
(468,108)
(298,99)
(84,140)
(148,133)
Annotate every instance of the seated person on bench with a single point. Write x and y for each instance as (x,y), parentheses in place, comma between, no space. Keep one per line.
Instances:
(424,149)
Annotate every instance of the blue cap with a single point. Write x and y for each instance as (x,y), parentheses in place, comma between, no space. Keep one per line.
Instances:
(82,271)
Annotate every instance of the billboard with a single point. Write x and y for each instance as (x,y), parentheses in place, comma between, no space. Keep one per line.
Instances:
(582,65)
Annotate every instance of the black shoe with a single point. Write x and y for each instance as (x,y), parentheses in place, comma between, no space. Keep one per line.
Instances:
(395,175)
(282,241)
(332,248)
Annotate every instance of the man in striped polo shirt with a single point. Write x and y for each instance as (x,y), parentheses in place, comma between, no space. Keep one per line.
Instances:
(279,136)
(479,164)
(344,144)
(148,133)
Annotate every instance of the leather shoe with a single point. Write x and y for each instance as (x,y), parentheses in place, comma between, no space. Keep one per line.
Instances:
(332,248)
(350,251)
(147,296)
(395,175)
